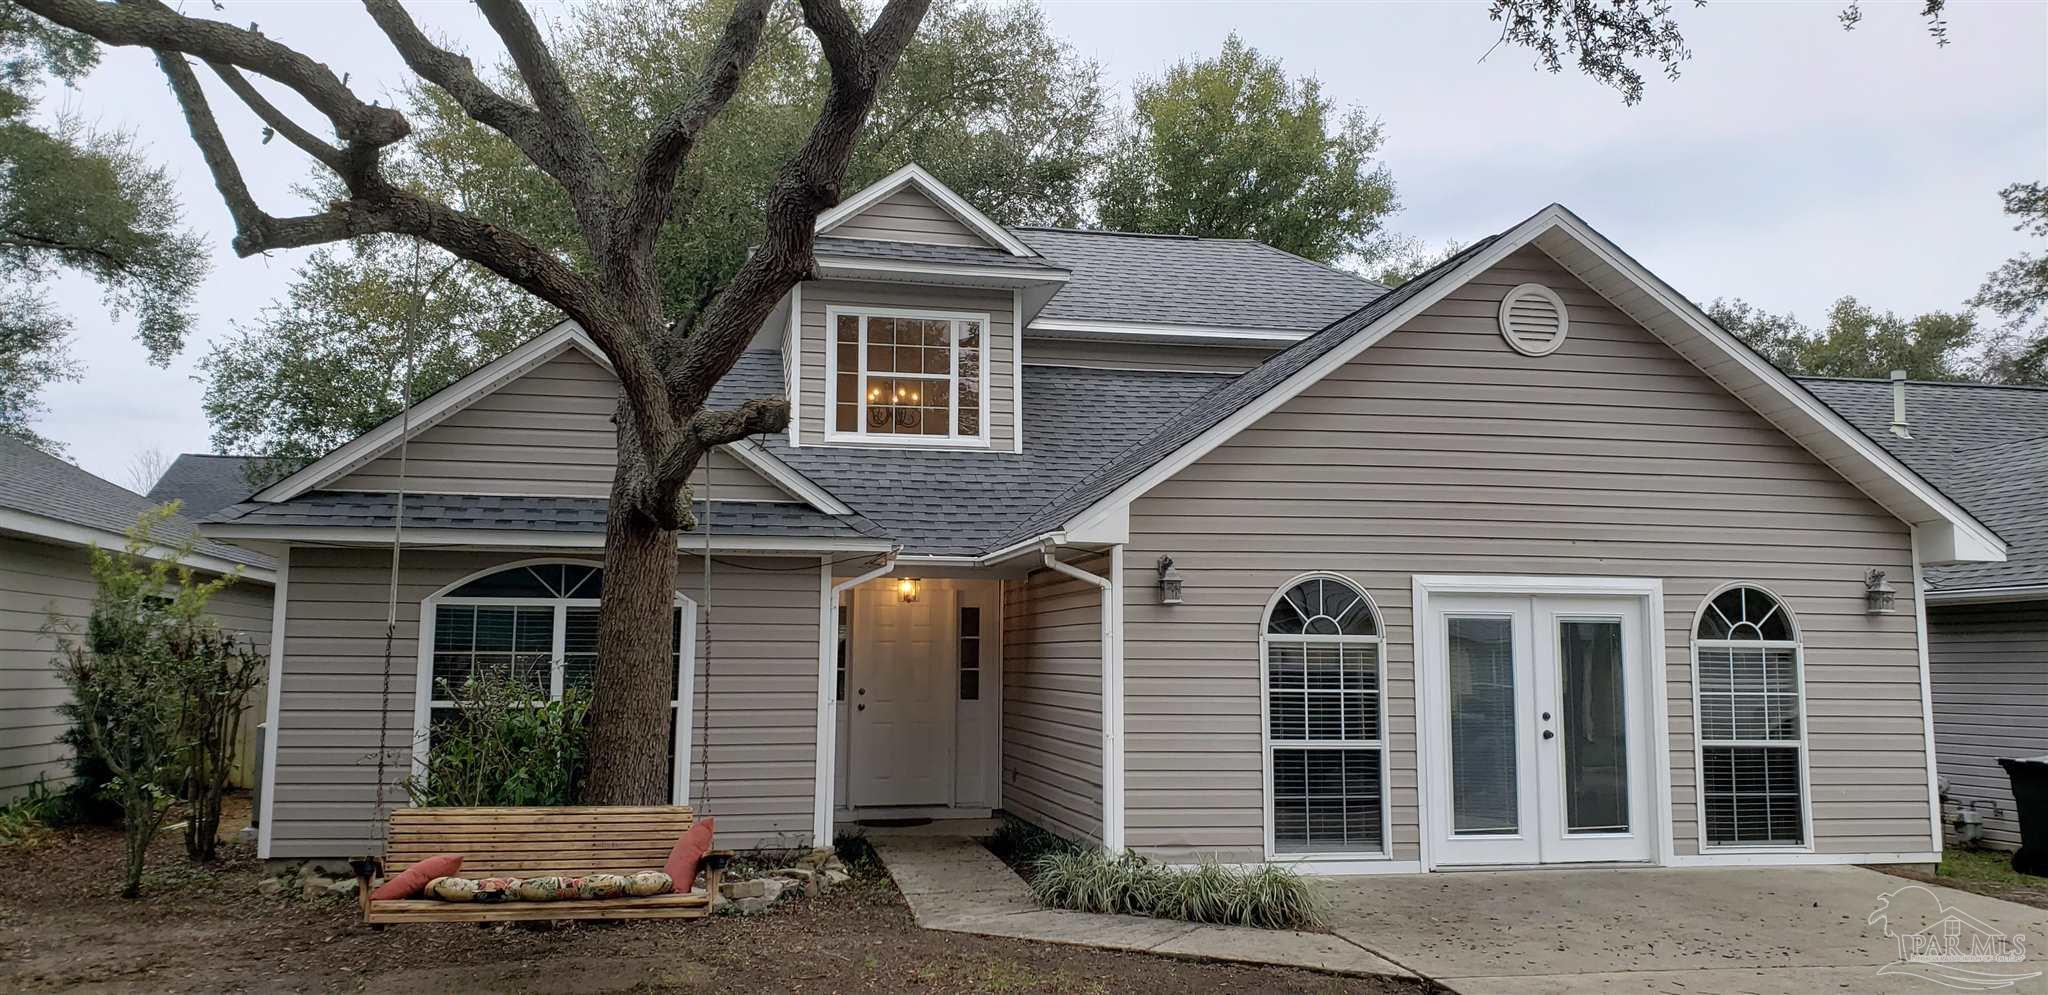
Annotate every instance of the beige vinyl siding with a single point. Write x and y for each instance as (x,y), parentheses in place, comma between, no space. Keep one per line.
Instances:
(1000,361)
(39,580)
(756,667)
(1052,701)
(1140,355)
(548,433)
(1440,450)
(909,216)
(1990,670)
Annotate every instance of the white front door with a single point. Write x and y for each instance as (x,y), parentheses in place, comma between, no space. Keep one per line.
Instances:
(901,674)
(1538,750)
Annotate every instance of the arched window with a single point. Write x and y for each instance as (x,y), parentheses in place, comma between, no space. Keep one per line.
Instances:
(1749,698)
(1325,759)
(536,624)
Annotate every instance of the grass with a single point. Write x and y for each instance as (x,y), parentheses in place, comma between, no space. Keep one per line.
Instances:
(1992,867)
(1087,880)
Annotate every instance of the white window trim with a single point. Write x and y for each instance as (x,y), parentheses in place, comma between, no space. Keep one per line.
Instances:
(861,437)
(1699,739)
(686,663)
(1266,743)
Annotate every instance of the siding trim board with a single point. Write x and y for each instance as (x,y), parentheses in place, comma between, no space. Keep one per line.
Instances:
(1783,403)
(273,698)
(914,175)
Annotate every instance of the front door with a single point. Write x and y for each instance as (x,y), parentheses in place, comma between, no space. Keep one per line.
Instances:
(1540,743)
(901,672)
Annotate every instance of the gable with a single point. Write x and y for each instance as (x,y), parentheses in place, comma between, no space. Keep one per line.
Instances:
(546,433)
(908,215)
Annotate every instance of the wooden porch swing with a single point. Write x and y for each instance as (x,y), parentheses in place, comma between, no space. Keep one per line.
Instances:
(524,842)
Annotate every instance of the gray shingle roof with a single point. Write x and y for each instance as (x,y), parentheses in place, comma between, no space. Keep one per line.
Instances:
(1234,395)
(39,484)
(1215,282)
(575,515)
(1985,447)
(960,503)
(919,252)
(207,482)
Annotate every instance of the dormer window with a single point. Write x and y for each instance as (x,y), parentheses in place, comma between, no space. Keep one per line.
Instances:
(899,376)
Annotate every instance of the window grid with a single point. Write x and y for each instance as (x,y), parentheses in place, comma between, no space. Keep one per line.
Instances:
(1324,708)
(1748,689)
(970,653)
(907,374)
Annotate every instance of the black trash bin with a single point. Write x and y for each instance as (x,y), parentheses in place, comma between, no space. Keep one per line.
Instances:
(2029,776)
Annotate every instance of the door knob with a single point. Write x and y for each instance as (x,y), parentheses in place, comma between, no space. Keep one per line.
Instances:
(1547,734)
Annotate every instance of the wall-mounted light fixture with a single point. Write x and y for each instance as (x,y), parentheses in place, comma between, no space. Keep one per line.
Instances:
(1169,582)
(906,590)
(1879,596)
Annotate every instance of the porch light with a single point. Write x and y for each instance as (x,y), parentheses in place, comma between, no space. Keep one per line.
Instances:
(1879,596)
(1169,582)
(906,590)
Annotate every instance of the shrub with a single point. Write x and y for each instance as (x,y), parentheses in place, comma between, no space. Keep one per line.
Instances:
(1089,880)
(501,747)
(1020,843)
(25,822)
(216,672)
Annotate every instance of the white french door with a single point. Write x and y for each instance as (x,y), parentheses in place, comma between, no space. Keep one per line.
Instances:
(1537,729)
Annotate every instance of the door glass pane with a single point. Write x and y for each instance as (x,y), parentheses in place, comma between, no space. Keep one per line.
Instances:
(1483,734)
(1594,726)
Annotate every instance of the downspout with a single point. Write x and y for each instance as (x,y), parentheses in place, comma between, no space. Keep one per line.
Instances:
(827,768)
(1112,693)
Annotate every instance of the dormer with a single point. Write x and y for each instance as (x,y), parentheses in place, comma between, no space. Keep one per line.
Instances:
(909,338)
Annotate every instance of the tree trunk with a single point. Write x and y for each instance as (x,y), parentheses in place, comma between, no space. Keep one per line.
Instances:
(629,714)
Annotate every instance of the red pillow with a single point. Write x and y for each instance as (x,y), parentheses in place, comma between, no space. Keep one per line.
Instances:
(413,880)
(682,861)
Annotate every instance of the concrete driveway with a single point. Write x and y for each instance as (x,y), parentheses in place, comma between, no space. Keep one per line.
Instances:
(1774,931)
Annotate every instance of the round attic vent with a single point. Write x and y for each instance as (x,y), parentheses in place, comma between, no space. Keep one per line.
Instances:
(1533,320)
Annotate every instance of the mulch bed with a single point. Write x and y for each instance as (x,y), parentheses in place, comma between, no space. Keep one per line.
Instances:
(206,929)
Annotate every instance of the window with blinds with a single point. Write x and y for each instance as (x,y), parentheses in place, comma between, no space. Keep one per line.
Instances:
(1746,676)
(535,625)
(1325,758)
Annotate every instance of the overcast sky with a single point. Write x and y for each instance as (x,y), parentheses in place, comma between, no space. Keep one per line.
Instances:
(1793,163)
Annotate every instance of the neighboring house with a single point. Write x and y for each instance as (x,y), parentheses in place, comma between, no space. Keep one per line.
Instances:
(1523,562)
(203,483)
(51,515)
(1987,447)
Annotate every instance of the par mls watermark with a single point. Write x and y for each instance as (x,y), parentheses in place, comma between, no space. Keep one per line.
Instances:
(1942,944)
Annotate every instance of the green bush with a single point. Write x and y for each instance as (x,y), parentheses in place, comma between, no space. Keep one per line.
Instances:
(1090,880)
(1020,843)
(500,747)
(25,822)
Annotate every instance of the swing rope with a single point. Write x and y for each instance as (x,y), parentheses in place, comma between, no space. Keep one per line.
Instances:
(409,356)
(704,621)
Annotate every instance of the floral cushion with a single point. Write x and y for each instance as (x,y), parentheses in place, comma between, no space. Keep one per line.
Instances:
(648,883)
(600,886)
(546,889)
(451,889)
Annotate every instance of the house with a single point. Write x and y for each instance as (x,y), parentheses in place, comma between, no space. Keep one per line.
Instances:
(1987,623)
(51,516)
(1187,546)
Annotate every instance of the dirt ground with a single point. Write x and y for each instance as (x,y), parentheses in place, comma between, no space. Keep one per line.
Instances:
(63,928)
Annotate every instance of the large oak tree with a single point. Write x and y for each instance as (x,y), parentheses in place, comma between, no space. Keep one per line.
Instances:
(612,288)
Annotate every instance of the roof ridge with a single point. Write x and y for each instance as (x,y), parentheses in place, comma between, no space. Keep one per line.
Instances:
(1360,277)
(1126,234)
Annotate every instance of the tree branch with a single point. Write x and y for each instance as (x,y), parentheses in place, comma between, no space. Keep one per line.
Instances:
(454,74)
(150,24)
(277,120)
(653,194)
(253,227)
(560,116)
(808,183)
(708,429)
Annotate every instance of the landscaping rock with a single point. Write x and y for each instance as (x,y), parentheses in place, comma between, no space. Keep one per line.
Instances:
(836,876)
(756,895)
(753,906)
(270,887)
(314,887)
(345,888)
(744,889)
(802,879)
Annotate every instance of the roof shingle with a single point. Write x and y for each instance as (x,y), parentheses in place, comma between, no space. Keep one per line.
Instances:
(39,484)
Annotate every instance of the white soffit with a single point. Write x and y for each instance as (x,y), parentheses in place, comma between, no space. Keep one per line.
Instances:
(961,210)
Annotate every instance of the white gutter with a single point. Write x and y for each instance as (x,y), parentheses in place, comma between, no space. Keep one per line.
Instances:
(828,709)
(1112,692)
(1982,595)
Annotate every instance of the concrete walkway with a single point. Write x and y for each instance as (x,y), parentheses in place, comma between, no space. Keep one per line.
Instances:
(956,885)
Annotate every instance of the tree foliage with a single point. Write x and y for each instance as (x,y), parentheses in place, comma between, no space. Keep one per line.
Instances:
(985,97)
(1856,341)
(1230,147)
(1607,38)
(2017,292)
(77,200)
